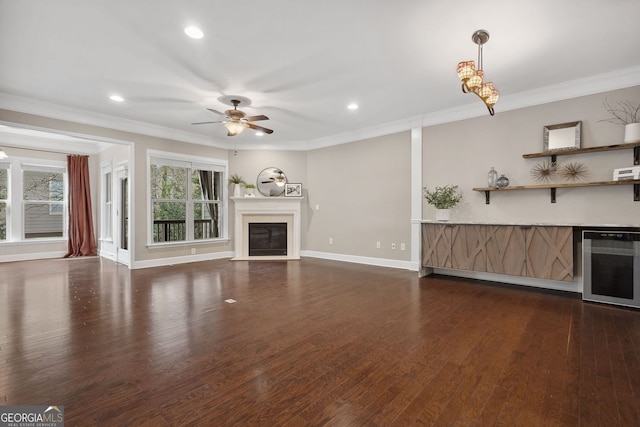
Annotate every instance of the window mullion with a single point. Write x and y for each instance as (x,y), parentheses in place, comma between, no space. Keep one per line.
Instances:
(163,170)
(189,207)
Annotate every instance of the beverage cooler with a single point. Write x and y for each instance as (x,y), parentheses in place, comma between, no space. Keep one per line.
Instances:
(611,267)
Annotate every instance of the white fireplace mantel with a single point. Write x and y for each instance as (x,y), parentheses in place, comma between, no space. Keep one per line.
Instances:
(266,209)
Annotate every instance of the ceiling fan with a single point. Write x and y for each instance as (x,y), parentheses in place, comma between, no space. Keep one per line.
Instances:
(236,121)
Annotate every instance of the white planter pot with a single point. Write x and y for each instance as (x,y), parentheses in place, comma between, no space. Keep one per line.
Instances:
(237,191)
(632,133)
(443,214)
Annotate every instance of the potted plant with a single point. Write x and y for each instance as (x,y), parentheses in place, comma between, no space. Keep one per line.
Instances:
(237,181)
(443,199)
(627,114)
(248,190)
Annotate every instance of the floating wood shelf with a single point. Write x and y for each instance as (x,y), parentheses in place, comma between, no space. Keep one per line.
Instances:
(553,186)
(566,152)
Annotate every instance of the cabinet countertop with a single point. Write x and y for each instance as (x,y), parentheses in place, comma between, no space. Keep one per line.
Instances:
(530,224)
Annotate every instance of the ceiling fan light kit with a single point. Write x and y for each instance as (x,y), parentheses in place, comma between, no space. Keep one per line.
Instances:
(234,128)
(472,77)
(236,120)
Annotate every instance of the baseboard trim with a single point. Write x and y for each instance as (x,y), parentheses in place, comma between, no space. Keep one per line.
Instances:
(575,286)
(380,262)
(32,256)
(159,262)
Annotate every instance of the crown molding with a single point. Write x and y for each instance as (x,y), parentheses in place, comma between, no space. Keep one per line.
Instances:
(54,111)
(591,85)
(599,83)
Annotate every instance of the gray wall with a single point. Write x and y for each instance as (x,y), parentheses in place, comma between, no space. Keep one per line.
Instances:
(363,193)
(249,163)
(462,152)
(363,188)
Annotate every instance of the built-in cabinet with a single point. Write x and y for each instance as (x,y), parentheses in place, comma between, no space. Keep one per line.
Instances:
(468,247)
(506,250)
(542,252)
(436,245)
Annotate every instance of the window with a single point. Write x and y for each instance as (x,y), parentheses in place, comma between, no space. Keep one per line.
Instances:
(33,200)
(106,220)
(43,202)
(4,195)
(187,198)
(56,192)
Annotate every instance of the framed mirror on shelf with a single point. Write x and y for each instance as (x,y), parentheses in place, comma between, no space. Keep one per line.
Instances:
(563,136)
(271,182)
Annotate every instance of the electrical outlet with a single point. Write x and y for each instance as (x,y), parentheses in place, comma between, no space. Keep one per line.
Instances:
(403,247)
(377,245)
(331,240)
(393,246)
(193,251)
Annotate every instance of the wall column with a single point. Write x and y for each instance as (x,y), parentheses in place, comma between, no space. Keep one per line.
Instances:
(416,195)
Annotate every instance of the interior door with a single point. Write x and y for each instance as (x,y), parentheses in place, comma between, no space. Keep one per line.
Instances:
(122,215)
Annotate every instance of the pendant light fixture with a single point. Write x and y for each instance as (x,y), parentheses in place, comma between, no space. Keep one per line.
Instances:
(472,76)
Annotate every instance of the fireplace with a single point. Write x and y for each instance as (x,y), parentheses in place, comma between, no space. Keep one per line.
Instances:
(263,212)
(267,238)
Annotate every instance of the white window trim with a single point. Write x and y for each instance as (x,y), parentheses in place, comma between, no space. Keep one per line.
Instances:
(106,167)
(7,202)
(192,162)
(15,202)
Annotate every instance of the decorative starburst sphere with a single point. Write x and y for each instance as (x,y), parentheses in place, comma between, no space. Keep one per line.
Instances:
(543,172)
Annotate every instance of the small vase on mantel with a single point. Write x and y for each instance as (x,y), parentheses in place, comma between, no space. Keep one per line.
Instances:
(443,214)
(237,190)
(632,133)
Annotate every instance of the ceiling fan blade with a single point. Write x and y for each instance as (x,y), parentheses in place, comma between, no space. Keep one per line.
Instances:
(206,123)
(215,111)
(256,127)
(256,118)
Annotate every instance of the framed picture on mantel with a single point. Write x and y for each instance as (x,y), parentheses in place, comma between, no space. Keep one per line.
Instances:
(292,190)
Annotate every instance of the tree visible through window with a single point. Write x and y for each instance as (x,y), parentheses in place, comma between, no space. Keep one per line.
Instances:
(43,195)
(186,202)
(3,203)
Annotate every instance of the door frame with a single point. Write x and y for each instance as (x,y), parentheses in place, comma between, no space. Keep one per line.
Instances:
(123,255)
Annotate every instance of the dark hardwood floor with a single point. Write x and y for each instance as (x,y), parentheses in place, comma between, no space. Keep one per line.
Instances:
(313,342)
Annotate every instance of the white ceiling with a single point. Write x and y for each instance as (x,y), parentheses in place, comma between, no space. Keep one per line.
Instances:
(300,62)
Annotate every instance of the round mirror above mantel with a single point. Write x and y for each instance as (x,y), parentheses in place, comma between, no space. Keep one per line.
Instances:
(271,182)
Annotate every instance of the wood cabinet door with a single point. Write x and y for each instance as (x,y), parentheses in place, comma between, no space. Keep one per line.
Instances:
(468,247)
(436,245)
(506,250)
(550,253)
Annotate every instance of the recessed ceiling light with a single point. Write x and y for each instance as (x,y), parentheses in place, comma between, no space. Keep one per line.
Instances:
(353,106)
(194,32)
(116,98)
(259,133)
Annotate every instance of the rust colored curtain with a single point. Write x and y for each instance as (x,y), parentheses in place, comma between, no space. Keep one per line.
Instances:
(81,239)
